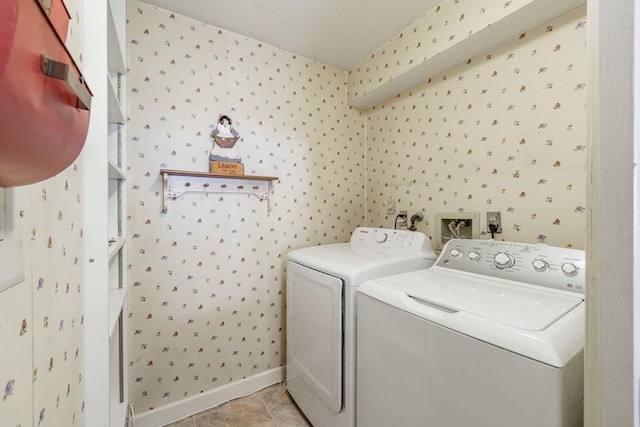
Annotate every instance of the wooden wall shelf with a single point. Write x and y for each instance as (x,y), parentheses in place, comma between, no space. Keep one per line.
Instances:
(177,182)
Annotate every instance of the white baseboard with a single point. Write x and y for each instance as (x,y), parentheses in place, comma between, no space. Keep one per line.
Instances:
(192,405)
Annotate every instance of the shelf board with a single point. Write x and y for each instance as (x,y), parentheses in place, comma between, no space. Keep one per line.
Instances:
(115,112)
(177,182)
(115,51)
(116,246)
(118,414)
(117,298)
(115,172)
(214,175)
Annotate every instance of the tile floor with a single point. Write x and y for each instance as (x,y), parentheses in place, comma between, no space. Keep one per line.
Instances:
(269,407)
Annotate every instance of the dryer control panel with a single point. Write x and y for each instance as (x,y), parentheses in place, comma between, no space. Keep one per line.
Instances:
(402,240)
(534,264)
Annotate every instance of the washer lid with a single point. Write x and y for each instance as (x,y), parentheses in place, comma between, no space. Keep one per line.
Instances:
(520,306)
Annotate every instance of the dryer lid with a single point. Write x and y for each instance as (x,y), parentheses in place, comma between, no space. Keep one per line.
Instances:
(355,265)
(520,306)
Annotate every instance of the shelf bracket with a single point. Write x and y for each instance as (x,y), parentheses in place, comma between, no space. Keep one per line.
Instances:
(176,183)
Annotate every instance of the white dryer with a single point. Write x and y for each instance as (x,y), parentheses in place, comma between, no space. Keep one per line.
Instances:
(321,312)
(492,335)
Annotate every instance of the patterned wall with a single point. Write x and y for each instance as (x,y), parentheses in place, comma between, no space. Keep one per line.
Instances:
(447,24)
(206,302)
(41,318)
(207,277)
(41,365)
(505,131)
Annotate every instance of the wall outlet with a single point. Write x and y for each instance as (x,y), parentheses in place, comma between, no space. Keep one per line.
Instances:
(401,219)
(494,218)
(456,225)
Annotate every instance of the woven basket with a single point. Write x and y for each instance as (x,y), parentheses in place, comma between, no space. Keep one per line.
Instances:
(226,142)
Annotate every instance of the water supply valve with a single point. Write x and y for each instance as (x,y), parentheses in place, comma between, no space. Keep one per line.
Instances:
(417,217)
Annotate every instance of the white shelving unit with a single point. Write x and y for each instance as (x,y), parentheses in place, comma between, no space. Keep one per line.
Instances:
(117,252)
(105,217)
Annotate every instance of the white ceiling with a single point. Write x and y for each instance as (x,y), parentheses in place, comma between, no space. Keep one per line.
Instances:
(339,33)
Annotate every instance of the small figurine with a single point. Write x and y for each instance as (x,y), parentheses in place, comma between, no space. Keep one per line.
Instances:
(224,145)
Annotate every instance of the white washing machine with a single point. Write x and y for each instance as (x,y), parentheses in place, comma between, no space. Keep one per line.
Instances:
(321,313)
(491,335)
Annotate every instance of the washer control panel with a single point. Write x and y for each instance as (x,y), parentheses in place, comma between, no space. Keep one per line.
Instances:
(405,240)
(535,264)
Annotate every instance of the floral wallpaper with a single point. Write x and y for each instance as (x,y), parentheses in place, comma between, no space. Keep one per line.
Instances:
(56,250)
(16,355)
(42,338)
(506,131)
(444,26)
(207,278)
(41,318)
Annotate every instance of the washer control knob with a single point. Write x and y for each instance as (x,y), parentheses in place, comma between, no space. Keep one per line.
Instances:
(503,260)
(381,237)
(569,269)
(455,253)
(539,265)
(474,256)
